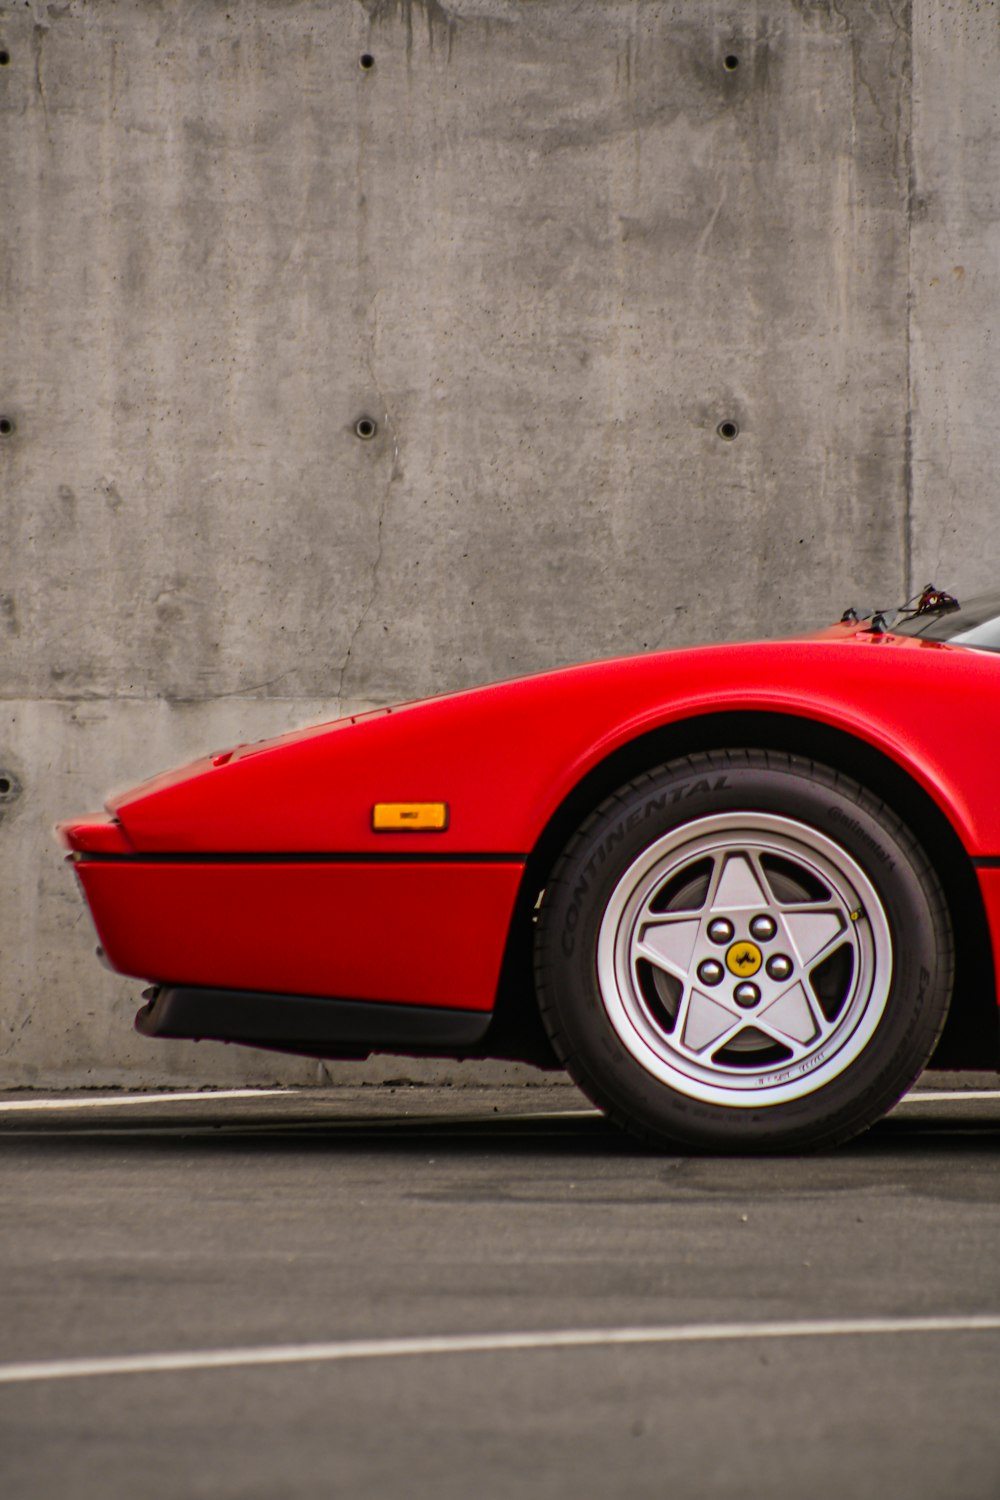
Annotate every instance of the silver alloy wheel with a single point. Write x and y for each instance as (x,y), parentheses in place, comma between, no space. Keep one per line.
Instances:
(744,959)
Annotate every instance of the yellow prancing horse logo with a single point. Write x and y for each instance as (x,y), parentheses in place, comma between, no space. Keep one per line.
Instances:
(744,959)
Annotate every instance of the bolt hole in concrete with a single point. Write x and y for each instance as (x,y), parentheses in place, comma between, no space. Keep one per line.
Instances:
(4,58)
(9,786)
(730,62)
(365,428)
(367,61)
(728,431)
(6,426)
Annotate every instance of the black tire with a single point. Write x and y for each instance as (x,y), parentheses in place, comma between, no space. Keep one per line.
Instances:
(730,839)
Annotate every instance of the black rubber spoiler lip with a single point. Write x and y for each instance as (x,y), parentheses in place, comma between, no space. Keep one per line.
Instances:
(311,1025)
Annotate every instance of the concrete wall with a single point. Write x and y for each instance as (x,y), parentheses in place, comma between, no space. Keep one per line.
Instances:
(547,247)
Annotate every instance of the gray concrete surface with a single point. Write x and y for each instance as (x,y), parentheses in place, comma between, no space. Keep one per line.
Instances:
(548,248)
(376,1214)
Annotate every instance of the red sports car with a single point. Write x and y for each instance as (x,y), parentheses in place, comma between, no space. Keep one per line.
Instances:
(742,893)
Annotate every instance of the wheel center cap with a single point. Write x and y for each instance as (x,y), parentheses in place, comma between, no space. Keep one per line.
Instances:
(744,959)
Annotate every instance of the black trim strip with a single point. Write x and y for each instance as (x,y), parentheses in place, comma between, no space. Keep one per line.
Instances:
(416,857)
(987,862)
(308,1023)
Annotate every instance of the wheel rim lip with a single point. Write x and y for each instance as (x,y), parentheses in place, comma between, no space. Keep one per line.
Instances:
(652,1047)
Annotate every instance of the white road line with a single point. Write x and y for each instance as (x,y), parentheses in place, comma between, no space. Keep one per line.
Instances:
(483,1343)
(211,1096)
(111,1101)
(527,1114)
(949,1096)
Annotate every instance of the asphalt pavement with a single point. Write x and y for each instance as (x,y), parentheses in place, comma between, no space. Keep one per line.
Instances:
(453,1292)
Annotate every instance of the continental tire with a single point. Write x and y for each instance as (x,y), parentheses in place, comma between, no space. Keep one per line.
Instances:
(744,951)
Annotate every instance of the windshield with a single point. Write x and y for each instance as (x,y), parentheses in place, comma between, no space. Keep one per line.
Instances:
(975,623)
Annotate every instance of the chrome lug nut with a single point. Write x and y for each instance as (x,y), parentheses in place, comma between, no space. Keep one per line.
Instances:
(721,930)
(780,966)
(710,971)
(746,996)
(763,928)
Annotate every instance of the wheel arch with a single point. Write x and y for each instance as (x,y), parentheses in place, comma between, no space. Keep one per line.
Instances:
(970,1037)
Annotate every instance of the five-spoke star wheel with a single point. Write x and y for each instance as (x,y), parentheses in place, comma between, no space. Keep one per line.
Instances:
(737,957)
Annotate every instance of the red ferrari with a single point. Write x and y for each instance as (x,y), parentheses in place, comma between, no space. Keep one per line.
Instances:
(743,893)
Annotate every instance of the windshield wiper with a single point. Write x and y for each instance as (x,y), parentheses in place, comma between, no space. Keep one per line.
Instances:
(930,601)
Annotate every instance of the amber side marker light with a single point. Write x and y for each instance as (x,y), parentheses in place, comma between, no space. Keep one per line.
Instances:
(410,817)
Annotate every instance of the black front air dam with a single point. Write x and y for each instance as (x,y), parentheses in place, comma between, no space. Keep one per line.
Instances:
(309,1025)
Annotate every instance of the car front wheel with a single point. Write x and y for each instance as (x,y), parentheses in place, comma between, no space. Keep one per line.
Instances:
(744,951)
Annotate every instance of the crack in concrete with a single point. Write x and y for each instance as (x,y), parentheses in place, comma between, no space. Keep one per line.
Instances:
(249,690)
(706,233)
(905,30)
